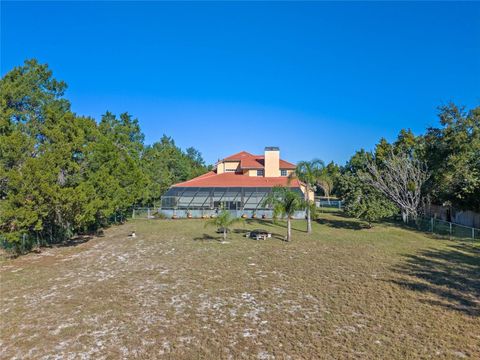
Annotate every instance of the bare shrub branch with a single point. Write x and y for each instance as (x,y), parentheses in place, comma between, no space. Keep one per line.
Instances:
(400,177)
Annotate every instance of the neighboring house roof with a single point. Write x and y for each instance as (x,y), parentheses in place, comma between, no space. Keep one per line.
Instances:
(249,161)
(212,179)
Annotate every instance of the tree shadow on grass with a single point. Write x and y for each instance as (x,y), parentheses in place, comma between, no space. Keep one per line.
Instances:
(260,222)
(343,224)
(207,237)
(240,231)
(451,275)
(244,232)
(269,223)
(75,241)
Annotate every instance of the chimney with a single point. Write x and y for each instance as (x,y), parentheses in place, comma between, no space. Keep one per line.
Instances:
(272,161)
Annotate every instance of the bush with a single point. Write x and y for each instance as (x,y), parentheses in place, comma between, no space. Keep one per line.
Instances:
(159,215)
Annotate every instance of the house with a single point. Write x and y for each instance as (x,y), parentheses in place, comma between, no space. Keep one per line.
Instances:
(238,182)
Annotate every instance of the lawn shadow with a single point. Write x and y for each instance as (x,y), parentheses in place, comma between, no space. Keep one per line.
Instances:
(260,224)
(75,241)
(452,275)
(207,237)
(240,231)
(348,223)
(280,223)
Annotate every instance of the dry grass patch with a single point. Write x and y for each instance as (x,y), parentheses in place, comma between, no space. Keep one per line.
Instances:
(177,292)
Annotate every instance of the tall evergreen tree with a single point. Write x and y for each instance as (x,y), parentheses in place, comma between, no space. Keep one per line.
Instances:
(452,152)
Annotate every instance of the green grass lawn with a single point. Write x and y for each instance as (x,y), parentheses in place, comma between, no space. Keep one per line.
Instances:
(345,292)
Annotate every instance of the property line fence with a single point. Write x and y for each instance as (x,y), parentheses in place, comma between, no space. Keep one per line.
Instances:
(432,225)
(329,203)
(445,229)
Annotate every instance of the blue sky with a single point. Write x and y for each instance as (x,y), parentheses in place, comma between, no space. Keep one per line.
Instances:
(317,79)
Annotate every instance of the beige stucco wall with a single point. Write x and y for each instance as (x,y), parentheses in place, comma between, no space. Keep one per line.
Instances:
(272,163)
(250,172)
(311,194)
(253,172)
(227,165)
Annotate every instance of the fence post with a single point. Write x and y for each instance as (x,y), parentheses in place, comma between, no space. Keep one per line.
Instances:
(450,230)
(473,233)
(431,224)
(133,213)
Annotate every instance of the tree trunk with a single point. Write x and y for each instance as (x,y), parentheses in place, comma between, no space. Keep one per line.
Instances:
(404,216)
(289,229)
(224,234)
(309,217)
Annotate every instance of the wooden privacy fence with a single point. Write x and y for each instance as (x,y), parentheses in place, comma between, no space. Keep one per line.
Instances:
(456,216)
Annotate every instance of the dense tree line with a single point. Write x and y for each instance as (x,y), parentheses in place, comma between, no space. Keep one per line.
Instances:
(440,167)
(62,174)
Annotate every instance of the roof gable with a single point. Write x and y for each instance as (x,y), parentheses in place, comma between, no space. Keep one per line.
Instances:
(250,161)
(238,156)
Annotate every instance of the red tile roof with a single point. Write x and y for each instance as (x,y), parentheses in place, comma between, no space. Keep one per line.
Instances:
(238,156)
(252,163)
(212,179)
(249,161)
(287,165)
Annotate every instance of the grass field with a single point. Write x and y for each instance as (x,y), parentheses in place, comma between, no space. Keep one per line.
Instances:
(345,292)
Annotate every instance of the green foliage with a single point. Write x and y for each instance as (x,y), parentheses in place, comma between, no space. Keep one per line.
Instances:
(224,221)
(310,173)
(362,200)
(328,179)
(166,164)
(62,174)
(452,153)
(284,202)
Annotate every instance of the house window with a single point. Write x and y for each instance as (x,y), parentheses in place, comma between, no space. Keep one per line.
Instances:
(283,172)
(259,172)
(230,170)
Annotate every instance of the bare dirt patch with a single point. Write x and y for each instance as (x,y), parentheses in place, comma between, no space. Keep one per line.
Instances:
(341,293)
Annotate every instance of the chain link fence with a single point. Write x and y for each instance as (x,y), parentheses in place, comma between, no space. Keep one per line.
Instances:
(144,213)
(445,229)
(334,204)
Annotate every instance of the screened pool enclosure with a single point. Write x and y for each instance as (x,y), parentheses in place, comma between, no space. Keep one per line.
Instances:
(212,198)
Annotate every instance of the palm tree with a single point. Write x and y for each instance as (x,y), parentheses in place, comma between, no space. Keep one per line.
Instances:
(224,221)
(284,202)
(309,172)
(325,181)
